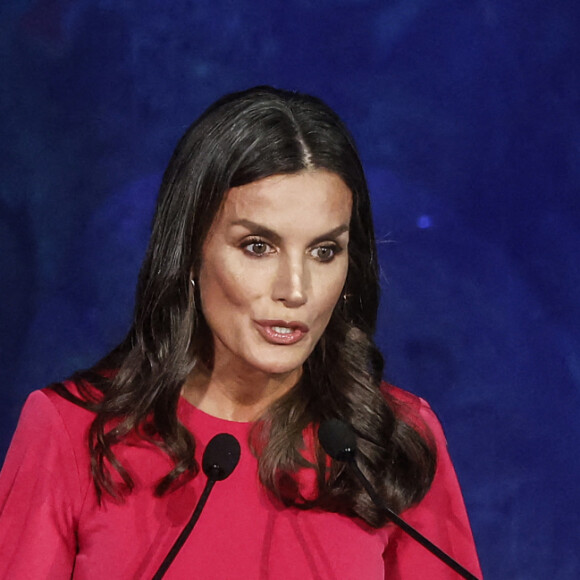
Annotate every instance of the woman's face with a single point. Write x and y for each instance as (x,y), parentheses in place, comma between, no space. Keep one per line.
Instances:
(273,267)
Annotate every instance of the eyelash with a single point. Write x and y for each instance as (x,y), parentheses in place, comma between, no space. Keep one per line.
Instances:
(334,248)
(248,243)
(253,242)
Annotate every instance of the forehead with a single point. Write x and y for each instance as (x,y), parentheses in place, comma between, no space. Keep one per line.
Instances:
(318,199)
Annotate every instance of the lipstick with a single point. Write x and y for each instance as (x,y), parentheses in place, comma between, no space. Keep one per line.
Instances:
(282,332)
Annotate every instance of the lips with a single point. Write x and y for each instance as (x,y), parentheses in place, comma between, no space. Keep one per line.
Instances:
(282,332)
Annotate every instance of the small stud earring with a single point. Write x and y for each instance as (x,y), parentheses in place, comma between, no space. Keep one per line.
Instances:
(193,294)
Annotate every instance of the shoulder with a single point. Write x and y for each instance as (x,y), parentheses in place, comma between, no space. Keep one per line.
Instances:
(70,411)
(43,485)
(441,514)
(48,455)
(415,411)
(50,417)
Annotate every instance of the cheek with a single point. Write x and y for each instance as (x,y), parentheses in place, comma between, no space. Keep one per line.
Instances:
(223,286)
(332,295)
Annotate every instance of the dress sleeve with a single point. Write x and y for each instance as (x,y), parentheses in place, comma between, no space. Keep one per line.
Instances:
(39,496)
(441,517)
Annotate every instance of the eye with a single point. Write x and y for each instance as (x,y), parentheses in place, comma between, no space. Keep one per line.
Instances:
(325,253)
(257,247)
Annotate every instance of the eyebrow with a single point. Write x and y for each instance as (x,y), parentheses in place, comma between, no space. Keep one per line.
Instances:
(261,230)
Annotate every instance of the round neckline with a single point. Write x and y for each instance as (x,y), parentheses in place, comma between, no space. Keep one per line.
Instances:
(190,410)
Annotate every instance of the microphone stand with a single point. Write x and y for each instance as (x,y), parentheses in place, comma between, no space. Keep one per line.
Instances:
(182,538)
(378,500)
(338,440)
(218,462)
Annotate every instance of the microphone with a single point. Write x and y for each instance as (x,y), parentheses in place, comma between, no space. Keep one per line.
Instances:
(338,440)
(220,457)
(218,462)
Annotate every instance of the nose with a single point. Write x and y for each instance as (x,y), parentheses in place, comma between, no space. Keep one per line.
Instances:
(291,282)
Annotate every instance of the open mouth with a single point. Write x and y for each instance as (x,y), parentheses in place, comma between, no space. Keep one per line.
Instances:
(282,332)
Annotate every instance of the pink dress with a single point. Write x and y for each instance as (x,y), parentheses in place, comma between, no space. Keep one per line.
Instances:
(51,526)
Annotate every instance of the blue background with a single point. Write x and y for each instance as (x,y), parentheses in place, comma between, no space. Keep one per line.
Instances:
(467,119)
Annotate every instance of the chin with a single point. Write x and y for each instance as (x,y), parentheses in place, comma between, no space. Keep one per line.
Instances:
(279,369)
(280,365)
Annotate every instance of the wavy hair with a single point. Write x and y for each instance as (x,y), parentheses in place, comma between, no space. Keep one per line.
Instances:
(240,139)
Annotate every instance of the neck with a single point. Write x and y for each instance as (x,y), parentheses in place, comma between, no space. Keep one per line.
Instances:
(236,396)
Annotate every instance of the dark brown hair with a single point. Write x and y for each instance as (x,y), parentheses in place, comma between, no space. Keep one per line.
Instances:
(242,138)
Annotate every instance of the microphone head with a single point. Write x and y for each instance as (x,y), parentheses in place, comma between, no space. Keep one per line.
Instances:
(337,439)
(220,456)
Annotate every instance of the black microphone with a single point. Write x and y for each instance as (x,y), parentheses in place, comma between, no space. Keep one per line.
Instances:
(338,440)
(220,457)
(218,462)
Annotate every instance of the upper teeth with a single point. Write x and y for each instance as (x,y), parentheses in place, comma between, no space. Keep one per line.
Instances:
(282,329)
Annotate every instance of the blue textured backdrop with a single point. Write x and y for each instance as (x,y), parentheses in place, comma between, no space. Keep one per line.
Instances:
(467,118)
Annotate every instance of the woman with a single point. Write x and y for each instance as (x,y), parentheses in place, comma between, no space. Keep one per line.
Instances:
(254,316)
